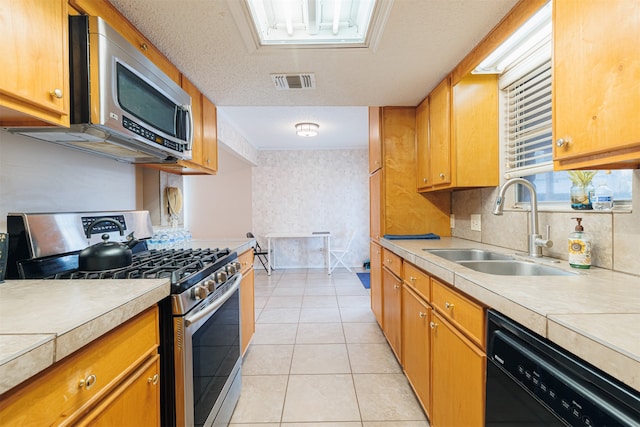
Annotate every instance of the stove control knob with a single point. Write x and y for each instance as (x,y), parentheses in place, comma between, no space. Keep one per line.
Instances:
(210,284)
(231,269)
(221,277)
(200,292)
(237,265)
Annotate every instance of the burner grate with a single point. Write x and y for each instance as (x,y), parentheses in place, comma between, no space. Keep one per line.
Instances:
(183,266)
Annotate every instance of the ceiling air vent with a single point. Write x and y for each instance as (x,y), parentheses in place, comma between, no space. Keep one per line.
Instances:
(294,81)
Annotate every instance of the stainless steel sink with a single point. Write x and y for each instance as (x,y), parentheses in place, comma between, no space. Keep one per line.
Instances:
(514,268)
(468,254)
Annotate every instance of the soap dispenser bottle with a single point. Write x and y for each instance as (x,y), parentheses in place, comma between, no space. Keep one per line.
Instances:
(579,247)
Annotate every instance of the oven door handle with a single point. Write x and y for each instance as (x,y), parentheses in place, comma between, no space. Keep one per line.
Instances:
(217,304)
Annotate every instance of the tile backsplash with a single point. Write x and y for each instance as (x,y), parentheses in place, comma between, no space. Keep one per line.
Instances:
(614,235)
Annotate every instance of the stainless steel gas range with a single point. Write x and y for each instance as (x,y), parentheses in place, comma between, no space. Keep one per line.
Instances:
(200,321)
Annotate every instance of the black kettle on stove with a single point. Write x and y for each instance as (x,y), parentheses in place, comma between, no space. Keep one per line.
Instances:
(106,255)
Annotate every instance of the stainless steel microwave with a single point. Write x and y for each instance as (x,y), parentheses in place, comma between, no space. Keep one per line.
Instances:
(122,105)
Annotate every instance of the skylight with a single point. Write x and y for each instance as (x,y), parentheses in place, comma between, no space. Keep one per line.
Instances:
(318,23)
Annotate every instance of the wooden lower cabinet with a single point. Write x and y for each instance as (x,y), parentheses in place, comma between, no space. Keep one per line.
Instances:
(416,316)
(132,403)
(391,310)
(458,372)
(375,280)
(247,310)
(114,378)
(247,299)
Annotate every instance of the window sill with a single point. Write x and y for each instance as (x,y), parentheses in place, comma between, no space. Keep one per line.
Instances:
(619,209)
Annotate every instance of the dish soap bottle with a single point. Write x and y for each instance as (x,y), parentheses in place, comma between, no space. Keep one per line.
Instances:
(579,247)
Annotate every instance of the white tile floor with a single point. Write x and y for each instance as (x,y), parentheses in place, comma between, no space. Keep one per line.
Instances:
(319,359)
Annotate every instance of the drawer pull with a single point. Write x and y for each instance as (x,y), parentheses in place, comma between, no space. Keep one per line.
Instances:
(88,382)
(154,379)
(421,315)
(433,325)
(396,286)
(413,279)
(449,305)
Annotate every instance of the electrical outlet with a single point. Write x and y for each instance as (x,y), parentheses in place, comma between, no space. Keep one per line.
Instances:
(452,221)
(476,223)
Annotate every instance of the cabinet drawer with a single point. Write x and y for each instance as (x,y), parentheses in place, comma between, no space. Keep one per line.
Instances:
(246,260)
(418,280)
(392,261)
(458,309)
(70,387)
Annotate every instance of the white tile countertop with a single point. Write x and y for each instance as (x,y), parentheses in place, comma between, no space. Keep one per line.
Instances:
(42,321)
(594,313)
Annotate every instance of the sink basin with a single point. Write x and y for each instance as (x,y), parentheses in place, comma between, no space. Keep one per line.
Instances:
(514,268)
(468,254)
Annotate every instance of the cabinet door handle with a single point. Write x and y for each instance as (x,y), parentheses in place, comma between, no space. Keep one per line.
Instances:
(449,305)
(413,279)
(144,47)
(422,315)
(56,93)
(88,382)
(395,286)
(433,325)
(441,175)
(154,379)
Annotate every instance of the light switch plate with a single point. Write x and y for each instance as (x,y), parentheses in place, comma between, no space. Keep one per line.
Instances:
(452,221)
(476,222)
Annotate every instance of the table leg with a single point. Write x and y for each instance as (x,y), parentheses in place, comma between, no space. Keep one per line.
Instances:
(328,254)
(268,256)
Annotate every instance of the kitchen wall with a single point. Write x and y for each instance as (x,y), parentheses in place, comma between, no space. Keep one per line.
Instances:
(220,205)
(614,235)
(38,176)
(312,191)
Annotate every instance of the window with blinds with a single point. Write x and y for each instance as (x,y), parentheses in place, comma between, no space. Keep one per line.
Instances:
(528,123)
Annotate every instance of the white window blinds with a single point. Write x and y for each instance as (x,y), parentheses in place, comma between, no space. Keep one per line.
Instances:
(528,123)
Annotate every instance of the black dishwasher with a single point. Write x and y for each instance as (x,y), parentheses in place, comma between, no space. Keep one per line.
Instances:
(533,382)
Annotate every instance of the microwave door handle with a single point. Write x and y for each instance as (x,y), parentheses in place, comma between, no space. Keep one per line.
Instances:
(191,126)
(217,304)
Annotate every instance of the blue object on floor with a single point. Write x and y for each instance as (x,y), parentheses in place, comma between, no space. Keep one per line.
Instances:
(365,279)
(429,236)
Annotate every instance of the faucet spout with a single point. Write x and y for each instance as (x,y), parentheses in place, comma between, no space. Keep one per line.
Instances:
(535,239)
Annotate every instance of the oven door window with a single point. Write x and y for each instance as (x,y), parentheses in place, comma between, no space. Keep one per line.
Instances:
(215,350)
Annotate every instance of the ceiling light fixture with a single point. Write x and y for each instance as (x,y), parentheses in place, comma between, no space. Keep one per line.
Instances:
(307,129)
(530,35)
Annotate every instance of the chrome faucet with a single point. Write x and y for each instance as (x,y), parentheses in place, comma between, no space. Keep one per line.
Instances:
(536,242)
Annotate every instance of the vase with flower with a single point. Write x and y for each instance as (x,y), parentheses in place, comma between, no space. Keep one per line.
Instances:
(582,189)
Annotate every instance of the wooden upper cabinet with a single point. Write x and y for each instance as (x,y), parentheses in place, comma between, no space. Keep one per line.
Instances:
(34,59)
(457,130)
(375,140)
(423,174)
(596,84)
(475,132)
(209,159)
(405,211)
(440,134)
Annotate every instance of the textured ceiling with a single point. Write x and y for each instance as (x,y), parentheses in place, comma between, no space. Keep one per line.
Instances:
(422,41)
